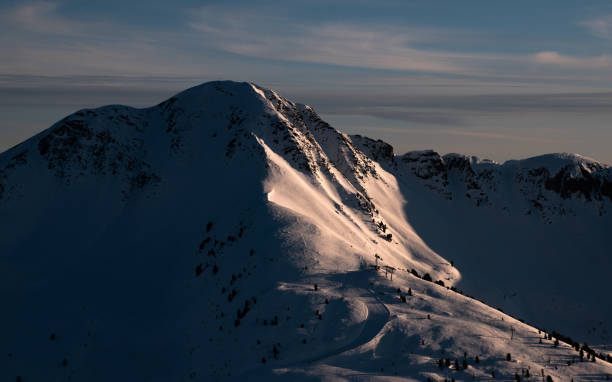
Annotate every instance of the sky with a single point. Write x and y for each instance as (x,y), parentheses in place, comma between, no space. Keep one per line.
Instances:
(497,79)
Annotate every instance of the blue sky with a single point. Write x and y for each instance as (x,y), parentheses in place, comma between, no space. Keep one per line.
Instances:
(496,79)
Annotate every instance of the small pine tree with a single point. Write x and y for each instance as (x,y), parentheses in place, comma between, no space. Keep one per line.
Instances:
(465,365)
(549,378)
(476,359)
(508,357)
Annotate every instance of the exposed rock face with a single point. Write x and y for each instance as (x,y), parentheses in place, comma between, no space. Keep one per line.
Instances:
(378,150)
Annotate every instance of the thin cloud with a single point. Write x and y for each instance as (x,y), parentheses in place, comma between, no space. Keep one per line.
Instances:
(37,39)
(556,59)
(39,17)
(463,133)
(265,35)
(497,136)
(455,109)
(600,27)
(349,45)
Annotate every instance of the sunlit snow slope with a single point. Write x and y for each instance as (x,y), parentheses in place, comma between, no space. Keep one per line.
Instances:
(228,233)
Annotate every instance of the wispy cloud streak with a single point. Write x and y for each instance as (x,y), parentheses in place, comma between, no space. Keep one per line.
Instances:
(600,27)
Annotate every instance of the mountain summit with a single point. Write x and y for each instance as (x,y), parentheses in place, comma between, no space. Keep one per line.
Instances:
(229,233)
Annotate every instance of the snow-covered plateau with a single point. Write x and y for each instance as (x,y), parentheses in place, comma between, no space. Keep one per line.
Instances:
(229,233)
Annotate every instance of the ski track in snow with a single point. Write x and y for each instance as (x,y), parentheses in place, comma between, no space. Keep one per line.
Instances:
(355,285)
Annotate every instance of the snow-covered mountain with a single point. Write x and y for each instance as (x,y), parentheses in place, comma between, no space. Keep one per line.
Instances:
(229,233)
(532,236)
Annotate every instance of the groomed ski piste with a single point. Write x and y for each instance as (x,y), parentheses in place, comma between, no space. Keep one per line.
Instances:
(228,233)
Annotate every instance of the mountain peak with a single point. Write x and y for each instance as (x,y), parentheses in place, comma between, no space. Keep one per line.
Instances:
(554,162)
